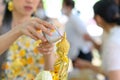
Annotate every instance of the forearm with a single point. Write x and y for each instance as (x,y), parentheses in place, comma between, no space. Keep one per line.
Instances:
(114,75)
(7,39)
(88,38)
(50,61)
(97,69)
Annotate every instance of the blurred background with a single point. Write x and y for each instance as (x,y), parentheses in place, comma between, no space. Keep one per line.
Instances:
(84,9)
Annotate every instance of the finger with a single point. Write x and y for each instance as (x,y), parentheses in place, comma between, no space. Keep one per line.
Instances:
(30,35)
(32,30)
(47,52)
(44,29)
(46,45)
(41,27)
(36,34)
(49,46)
(42,37)
(48,25)
(51,49)
(41,50)
(46,49)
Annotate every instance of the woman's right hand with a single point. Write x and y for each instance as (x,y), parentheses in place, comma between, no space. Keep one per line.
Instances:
(31,28)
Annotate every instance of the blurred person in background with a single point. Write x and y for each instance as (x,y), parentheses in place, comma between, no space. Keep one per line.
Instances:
(80,48)
(107,16)
(40,12)
(21,60)
(75,29)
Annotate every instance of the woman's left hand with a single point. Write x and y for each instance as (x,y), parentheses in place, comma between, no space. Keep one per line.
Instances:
(46,48)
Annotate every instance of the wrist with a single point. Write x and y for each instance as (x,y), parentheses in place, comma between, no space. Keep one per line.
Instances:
(48,55)
(49,61)
(17,31)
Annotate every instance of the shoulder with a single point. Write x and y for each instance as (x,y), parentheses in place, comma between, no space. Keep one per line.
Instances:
(75,17)
(115,35)
(76,20)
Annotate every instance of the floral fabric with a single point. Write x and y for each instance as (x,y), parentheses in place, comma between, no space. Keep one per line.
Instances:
(23,60)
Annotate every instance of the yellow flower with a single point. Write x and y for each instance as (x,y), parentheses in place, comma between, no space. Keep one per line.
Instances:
(14,56)
(23,61)
(30,60)
(14,47)
(16,63)
(37,43)
(29,76)
(5,66)
(35,51)
(16,71)
(27,44)
(22,53)
(41,60)
(37,70)
(16,67)
(34,69)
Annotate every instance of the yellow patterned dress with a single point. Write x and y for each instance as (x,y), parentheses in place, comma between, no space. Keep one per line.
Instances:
(23,60)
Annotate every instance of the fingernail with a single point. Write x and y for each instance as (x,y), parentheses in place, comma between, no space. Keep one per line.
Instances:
(50,33)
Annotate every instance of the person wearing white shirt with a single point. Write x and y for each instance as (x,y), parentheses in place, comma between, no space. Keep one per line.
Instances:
(107,16)
(76,30)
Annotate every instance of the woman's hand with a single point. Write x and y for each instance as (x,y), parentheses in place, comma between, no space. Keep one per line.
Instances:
(47,49)
(33,27)
(82,64)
